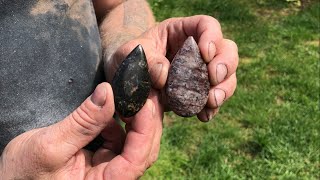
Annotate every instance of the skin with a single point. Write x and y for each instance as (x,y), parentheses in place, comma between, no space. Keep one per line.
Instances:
(161,43)
(56,152)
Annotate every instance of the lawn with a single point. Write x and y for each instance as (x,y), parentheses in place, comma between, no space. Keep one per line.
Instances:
(270,128)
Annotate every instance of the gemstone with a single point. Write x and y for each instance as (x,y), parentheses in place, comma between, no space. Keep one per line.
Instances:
(187,87)
(131,83)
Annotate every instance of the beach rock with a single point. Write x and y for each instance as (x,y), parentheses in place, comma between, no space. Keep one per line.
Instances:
(131,83)
(187,86)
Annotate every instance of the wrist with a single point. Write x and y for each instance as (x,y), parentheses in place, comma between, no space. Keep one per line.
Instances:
(125,22)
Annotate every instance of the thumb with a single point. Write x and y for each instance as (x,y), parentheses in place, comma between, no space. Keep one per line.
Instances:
(85,123)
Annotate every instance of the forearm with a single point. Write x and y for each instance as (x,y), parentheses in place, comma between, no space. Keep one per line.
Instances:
(124,23)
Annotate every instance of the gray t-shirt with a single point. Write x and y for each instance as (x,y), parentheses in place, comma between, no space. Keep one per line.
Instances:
(50,55)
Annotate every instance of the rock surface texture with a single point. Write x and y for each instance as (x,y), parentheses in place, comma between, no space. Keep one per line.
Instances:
(131,83)
(187,85)
(50,54)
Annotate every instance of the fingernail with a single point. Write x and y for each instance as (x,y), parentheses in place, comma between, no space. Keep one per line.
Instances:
(209,114)
(219,95)
(99,95)
(211,50)
(222,72)
(156,72)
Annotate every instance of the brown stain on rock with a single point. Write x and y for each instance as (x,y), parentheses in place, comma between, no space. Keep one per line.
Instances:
(70,2)
(80,11)
(43,7)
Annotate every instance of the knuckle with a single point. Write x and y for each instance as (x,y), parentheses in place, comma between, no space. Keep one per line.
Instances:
(235,80)
(211,20)
(153,159)
(232,44)
(170,20)
(138,171)
(232,47)
(85,123)
(233,84)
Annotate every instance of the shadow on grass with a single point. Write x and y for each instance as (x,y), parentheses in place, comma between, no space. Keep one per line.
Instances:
(251,148)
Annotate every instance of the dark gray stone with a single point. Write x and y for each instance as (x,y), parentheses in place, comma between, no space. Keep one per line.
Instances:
(131,83)
(187,86)
(49,62)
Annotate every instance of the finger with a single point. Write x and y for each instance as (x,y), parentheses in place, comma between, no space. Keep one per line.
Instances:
(169,36)
(223,91)
(139,140)
(158,64)
(207,114)
(225,63)
(159,70)
(131,163)
(154,153)
(163,98)
(83,125)
(205,29)
(102,155)
(114,137)
(210,35)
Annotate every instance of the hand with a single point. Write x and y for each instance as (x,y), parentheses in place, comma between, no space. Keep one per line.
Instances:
(162,42)
(55,152)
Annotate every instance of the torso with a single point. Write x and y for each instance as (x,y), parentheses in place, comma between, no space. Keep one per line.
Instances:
(49,57)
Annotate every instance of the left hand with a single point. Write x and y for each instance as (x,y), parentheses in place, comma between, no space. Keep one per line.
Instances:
(162,42)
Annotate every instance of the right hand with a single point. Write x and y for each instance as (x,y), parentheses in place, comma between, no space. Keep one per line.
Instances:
(56,152)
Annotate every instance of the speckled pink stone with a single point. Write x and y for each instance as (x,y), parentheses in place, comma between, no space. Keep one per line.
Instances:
(187,85)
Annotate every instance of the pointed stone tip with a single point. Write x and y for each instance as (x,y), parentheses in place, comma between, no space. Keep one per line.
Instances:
(191,40)
(138,48)
(138,51)
(190,45)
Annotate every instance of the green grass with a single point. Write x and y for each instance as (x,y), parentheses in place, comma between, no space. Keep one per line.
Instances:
(270,128)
